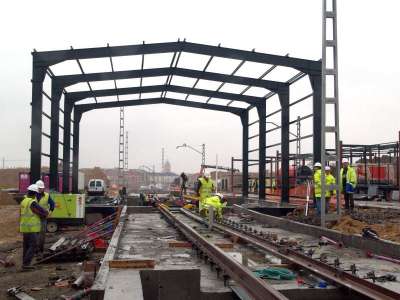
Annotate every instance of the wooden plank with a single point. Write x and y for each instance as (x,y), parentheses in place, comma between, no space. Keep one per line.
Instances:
(224,245)
(132,264)
(101,278)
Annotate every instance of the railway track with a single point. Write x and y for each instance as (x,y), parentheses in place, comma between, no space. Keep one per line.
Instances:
(258,288)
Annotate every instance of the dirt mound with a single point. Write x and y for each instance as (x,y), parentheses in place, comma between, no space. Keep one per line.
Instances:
(349,225)
(376,215)
(7,198)
(387,231)
(9,178)
(9,224)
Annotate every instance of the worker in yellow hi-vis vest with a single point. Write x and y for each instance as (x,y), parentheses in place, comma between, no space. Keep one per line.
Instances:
(218,202)
(205,188)
(29,224)
(330,186)
(48,204)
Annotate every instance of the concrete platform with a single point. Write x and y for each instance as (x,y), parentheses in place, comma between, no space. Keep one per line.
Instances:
(146,235)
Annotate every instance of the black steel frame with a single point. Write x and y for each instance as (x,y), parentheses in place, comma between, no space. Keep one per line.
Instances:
(42,61)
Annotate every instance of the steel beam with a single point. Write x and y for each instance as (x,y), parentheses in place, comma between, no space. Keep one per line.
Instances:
(66,146)
(54,57)
(245,153)
(75,151)
(285,142)
(87,107)
(67,80)
(56,92)
(261,150)
(38,75)
(316,84)
(77,96)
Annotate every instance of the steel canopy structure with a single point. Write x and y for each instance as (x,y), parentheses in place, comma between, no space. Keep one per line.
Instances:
(73,109)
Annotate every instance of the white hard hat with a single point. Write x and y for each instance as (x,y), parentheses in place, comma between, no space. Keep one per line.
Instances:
(40,184)
(206,174)
(220,195)
(317,164)
(327,168)
(345,160)
(33,188)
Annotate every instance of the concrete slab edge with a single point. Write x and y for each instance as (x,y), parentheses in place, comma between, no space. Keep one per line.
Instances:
(97,291)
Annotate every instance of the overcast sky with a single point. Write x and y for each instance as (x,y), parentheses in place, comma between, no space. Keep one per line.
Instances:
(369,69)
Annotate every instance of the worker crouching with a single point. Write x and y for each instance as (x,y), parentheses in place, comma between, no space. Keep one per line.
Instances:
(30,224)
(205,187)
(217,202)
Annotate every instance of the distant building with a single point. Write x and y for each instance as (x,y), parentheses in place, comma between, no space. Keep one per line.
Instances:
(165,178)
(166,167)
(137,178)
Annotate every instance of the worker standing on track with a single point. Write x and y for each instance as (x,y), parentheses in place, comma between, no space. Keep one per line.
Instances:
(217,202)
(205,187)
(29,225)
(47,204)
(348,182)
(184,180)
(317,187)
(330,183)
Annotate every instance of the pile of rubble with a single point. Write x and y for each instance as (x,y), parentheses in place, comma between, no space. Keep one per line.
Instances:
(386,230)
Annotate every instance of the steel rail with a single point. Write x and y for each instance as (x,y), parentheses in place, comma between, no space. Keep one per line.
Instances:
(328,272)
(257,288)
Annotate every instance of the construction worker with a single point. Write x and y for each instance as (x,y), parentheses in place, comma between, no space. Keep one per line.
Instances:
(184,180)
(29,224)
(47,204)
(217,202)
(205,187)
(330,183)
(348,182)
(317,187)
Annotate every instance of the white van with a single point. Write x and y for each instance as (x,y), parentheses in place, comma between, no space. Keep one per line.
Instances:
(96,187)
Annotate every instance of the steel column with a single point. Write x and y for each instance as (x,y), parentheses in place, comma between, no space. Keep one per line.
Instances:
(261,150)
(316,84)
(66,146)
(245,154)
(75,151)
(56,92)
(38,74)
(285,144)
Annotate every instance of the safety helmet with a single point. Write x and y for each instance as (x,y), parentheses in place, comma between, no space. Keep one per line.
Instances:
(220,195)
(206,174)
(317,164)
(40,184)
(33,188)
(345,160)
(327,168)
